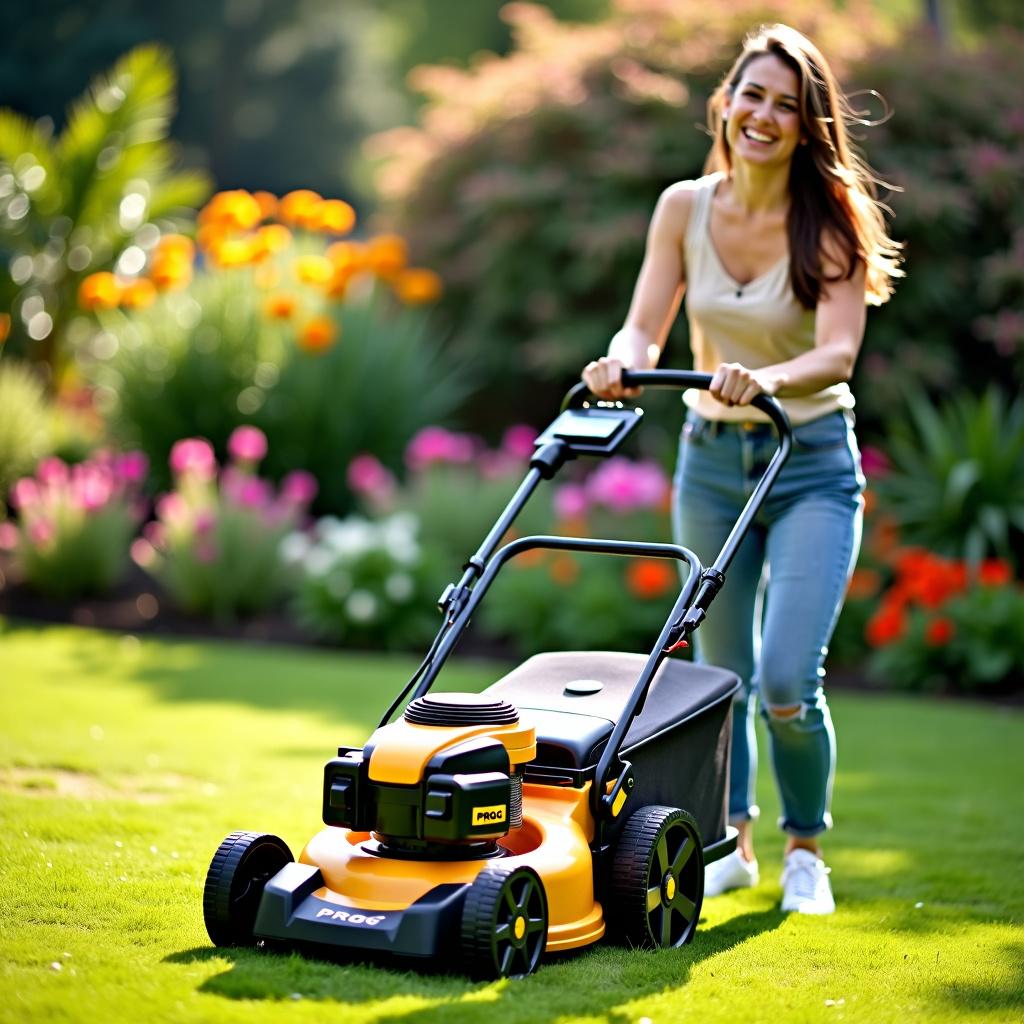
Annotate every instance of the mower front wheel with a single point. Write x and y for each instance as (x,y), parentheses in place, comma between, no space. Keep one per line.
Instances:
(241,867)
(657,884)
(504,923)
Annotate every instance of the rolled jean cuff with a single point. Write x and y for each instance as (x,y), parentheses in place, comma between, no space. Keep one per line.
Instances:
(752,813)
(806,833)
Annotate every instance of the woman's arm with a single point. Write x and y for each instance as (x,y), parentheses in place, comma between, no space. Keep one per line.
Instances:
(838,332)
(656,298)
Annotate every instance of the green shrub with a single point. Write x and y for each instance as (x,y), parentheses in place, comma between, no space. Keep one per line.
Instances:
(93,198)
(327,349)
(956,484)
(531,178)
(23,422)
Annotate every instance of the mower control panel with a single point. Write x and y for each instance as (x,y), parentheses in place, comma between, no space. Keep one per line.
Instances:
(597,428)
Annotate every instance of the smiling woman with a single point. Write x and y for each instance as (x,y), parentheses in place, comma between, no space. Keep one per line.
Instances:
(778,247)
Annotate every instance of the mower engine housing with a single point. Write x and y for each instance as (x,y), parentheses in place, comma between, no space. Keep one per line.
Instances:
(448,773)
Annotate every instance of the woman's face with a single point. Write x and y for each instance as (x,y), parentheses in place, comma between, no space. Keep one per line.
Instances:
(763,114)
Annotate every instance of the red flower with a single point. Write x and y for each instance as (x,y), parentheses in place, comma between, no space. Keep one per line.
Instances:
(887,625)
(650,578)
(994,572)
(939,632)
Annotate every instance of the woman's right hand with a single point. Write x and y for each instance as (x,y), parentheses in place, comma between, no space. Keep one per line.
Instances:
(604,378)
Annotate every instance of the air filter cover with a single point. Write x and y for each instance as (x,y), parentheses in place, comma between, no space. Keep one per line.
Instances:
(457,709)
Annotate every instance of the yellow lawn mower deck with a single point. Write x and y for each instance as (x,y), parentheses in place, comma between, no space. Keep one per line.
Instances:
(576,798)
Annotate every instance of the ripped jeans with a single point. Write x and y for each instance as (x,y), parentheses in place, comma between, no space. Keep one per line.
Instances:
(773,619)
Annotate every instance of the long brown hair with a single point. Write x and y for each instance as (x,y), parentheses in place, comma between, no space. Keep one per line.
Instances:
(832,189)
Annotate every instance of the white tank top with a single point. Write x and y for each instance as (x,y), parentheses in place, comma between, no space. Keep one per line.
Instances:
(757,324)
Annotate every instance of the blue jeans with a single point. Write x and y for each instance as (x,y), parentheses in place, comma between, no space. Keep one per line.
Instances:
(773,619)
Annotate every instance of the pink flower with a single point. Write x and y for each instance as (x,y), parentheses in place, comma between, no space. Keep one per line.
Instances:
(299,487)
(155,534)
(518,441)
(171,508)
(570,501)
(623,485)
(24,494)
(40,532)
(143,553)
(247,444)
(253,492)
(52,471)
(874,461)
(204,522)
(370,478)
(131,467)
(193,457)
(435,444)
(8,536)
(91,486)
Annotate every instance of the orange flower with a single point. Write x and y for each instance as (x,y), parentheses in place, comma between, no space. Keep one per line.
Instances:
(318,334)
(335,217)
(994,572)
(417,286)
(236,210)
(99,291)
(339,283)
(273,238)
(267,203)
(386,255)
(280,306)
(939,632)
(864,583)
(5,326)
(235,252)
(887,624)
(209,236)
(649,578)
(348,255)
(564,570)
(169,271)
(140,294)
(300,208)
(176,245)
(316,270)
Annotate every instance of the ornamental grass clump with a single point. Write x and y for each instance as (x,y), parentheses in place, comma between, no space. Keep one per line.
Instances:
(75,523)
(214,544)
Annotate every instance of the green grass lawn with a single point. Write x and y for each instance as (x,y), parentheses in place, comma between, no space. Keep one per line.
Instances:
(124,763)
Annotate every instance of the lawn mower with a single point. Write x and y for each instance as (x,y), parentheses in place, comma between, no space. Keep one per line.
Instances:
(578,797)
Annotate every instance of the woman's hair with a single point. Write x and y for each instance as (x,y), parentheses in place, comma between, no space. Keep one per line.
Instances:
(832,189)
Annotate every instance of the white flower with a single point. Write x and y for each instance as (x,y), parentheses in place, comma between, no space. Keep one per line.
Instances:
(294,548)
(399,586)
(361,606)
(319,561)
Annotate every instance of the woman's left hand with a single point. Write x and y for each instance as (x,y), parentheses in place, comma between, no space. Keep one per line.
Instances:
(734,384)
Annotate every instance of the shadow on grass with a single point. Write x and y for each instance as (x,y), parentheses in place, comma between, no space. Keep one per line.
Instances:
(1008,995)
(591,981)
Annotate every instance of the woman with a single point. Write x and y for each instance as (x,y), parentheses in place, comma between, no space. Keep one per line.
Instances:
(779,247)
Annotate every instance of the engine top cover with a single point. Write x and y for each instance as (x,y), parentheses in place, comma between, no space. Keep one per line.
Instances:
(455,709)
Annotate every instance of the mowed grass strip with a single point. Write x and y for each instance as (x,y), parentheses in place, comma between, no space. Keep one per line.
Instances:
(124,763)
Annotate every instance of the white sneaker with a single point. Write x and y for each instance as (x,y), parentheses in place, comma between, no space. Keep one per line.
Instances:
(805,884)
(732,871)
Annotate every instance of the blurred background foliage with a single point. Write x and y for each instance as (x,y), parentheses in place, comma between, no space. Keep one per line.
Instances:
(514,151)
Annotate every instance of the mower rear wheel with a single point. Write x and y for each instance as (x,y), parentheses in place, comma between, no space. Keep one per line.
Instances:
(657,883)
(504,923)
(241,867)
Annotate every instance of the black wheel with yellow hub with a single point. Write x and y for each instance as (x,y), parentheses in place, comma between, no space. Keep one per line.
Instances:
(241,867)
(504,922)
(657,883)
